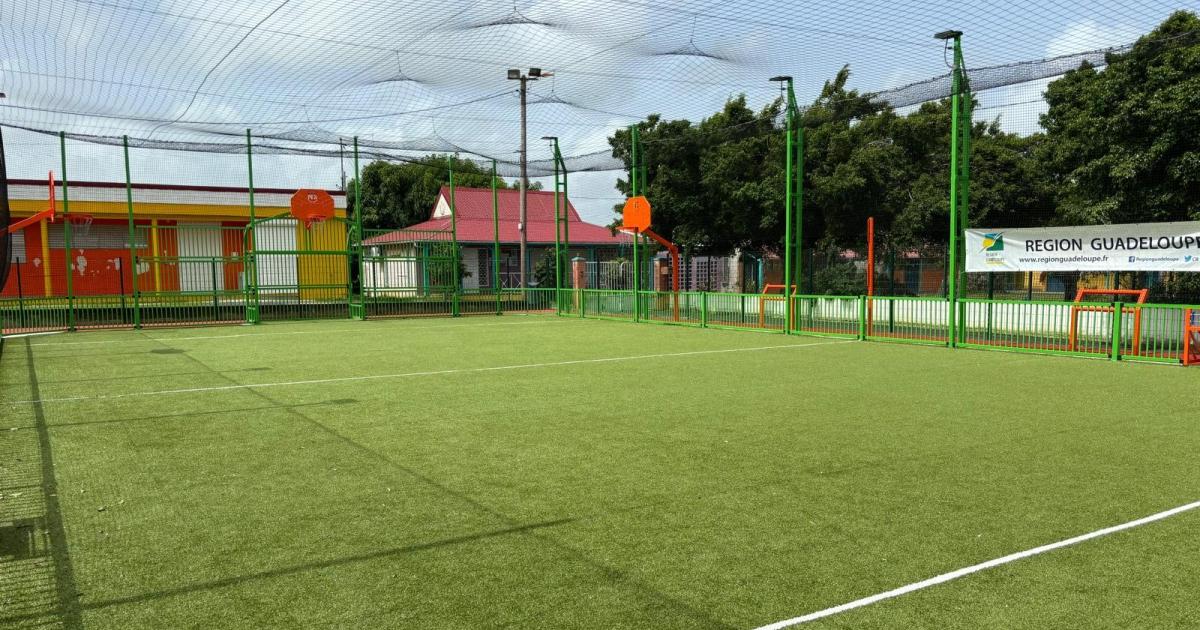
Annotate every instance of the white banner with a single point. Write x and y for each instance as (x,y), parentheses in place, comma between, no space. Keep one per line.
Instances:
(1132,247)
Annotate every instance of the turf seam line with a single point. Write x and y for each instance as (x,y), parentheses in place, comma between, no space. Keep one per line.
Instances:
(372,377)
(281,333)
(975,568)
(64,572)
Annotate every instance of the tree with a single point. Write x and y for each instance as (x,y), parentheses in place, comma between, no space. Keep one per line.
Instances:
(718,185)
(1121,144)
(397,195)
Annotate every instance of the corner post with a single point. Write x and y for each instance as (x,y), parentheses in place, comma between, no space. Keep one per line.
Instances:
(62,149)
(133,268)
(496,242)
(455,272)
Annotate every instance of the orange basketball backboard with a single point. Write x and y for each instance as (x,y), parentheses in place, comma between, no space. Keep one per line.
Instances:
(312,205)
(636,214)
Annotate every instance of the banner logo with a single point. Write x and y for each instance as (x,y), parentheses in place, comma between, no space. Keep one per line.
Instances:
(993,242)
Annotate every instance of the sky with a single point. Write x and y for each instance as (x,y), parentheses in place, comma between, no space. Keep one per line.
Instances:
(423,75)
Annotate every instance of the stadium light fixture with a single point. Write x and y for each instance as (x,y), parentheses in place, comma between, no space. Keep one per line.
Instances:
(944,35)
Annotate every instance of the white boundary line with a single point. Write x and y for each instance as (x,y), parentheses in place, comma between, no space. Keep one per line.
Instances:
(954,575)
(270,334)
(36,334)
(498,368)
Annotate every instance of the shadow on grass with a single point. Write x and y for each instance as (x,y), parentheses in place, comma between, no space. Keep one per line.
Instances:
(35,566)
(325,564)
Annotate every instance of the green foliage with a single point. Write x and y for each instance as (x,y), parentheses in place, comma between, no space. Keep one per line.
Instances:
(397,195)
(718,185)
(1123,144)
(544,271)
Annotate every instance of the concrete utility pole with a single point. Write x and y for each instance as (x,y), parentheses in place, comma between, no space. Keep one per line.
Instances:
(515,74)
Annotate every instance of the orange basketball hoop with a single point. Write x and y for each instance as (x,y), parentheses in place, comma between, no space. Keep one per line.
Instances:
(635,217)
(45,215)
(312,205)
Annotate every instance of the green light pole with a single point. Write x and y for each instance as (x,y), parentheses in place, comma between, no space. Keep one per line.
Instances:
(957,191)
(496,241)
(634,155)
(562,237)
(361,309)
(455,272)
(793,200)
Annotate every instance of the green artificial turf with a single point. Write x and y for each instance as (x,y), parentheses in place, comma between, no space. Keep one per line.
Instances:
(692,489)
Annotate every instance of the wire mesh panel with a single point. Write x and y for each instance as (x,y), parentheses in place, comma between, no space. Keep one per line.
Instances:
(198,275)
(33,296)
(409,272)
(301,272)
(907,319)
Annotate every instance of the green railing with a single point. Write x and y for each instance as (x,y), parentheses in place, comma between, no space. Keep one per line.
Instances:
(826,315)
(1146,332)
(685,308)
(907,319)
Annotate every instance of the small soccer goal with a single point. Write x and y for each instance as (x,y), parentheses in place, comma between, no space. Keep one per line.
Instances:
(1085,325)
(1191,337)
(774,293)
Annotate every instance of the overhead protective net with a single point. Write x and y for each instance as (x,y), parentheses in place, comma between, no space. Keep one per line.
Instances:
(419,77)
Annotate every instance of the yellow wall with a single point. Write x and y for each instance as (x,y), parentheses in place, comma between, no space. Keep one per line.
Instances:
(322,269)
(114,209)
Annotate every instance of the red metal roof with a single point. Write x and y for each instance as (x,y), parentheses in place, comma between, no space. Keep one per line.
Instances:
(474,208)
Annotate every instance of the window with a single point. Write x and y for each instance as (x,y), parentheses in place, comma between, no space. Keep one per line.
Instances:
(97,236)
(18,247)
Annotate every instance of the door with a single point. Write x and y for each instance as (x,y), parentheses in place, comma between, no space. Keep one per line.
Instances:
(198,242)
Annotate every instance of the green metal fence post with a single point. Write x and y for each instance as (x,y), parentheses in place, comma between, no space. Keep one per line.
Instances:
(496,242)
(456,272)
(704,310)
(634,155)
(62,149)
(787,216)
(360,311)
(216,297)
(862,318)
(137,315)
(557,239)
(566,201)
(1116,332)
(249,244)
(955,199)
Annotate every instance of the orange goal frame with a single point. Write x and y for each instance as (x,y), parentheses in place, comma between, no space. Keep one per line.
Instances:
(762,302)
(1140,294)
(1191,337)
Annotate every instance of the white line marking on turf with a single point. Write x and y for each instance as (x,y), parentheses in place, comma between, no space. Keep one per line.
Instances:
(294,332)
(498,368)
(954,575)
(36,334)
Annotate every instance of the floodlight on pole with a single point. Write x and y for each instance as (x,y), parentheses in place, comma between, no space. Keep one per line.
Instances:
(514,74)
(944,35)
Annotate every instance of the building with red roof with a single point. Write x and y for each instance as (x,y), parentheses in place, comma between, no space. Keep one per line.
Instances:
(477,232)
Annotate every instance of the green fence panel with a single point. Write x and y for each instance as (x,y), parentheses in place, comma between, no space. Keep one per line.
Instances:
(607,304)
(1042,327)
(528,301)
(826,315)
(1154,332)
(749,311)
(907,319)
(665,307)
